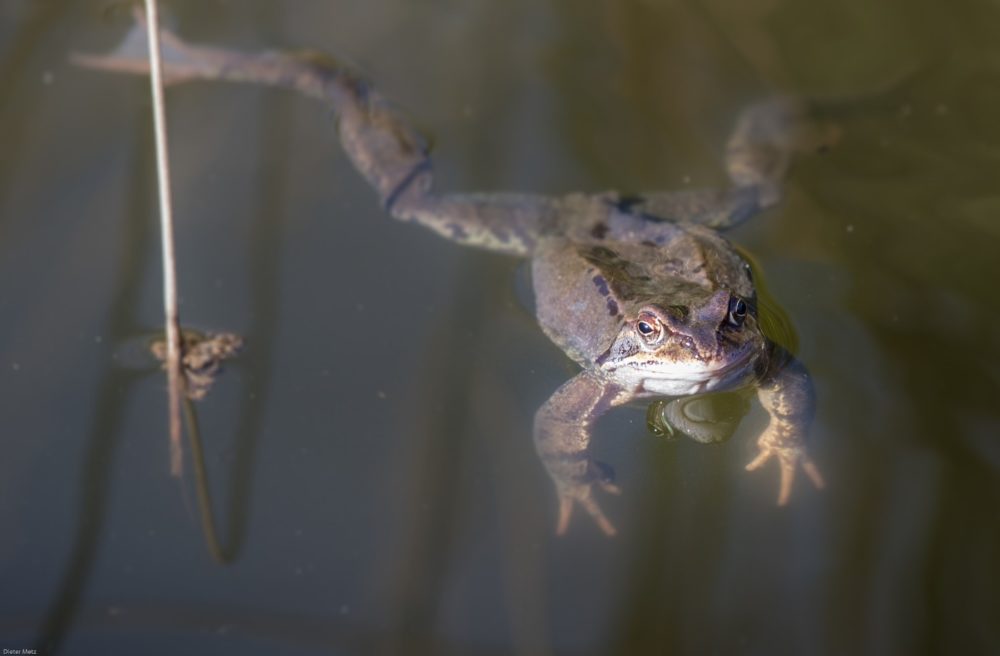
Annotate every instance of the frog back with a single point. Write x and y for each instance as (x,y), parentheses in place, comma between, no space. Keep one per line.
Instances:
(574,305)
(586,290)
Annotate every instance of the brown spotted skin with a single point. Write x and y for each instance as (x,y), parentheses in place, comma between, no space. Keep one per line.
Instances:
(586,292)
(640,290)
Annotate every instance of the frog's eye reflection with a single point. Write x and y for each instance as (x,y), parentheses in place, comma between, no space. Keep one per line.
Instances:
(737,311)
(645,328)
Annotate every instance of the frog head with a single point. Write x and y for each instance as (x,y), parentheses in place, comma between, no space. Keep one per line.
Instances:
(705,341)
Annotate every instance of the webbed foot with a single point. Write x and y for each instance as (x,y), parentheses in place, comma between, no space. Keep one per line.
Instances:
(598,474)
(787,395)
(790,458)
(562,438)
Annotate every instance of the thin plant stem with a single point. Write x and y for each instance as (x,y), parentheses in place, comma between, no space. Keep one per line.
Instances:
(175,379)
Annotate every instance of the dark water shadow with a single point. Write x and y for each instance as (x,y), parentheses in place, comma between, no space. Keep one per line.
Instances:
(105,428)
(30,39)
(417,572)
(264,280)
(104,432)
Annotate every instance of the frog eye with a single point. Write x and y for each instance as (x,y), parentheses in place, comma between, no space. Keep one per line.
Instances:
(737,311)
(649,328)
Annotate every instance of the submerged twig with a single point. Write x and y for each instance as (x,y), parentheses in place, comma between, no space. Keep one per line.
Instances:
(201,484)
(175,381)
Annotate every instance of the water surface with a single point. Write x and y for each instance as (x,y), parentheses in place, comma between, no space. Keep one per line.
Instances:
(370,457)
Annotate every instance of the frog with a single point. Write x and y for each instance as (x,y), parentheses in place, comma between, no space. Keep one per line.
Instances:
(643,291)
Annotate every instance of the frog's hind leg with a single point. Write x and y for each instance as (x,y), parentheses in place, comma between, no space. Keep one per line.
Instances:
(766,137)
(509,223)
(758,154)
(390,154)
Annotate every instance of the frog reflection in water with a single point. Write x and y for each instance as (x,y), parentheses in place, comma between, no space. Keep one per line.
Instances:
(641,291)
(202,361)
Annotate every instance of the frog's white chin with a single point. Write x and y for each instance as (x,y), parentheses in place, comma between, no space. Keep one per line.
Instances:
(684,379)
(679,387)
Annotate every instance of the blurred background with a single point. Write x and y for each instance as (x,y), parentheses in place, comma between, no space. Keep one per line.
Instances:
(373,476)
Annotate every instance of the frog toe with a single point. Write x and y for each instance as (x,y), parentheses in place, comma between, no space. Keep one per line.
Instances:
(581,491)
(583,496)
(812,471)
(789,459)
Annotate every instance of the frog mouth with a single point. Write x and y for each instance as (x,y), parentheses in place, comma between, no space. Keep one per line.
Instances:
(683,378)
(707,367)
(690,369)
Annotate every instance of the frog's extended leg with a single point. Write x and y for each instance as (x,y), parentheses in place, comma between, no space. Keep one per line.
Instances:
(562,435)
(788,397)
(384,148)
(759,151)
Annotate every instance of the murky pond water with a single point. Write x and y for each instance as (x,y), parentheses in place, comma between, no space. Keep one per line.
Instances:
(374,480)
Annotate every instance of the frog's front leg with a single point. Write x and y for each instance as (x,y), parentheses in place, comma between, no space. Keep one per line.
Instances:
(562,438)
(787,395)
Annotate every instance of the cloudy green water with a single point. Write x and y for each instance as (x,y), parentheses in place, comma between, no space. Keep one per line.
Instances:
(374,480)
